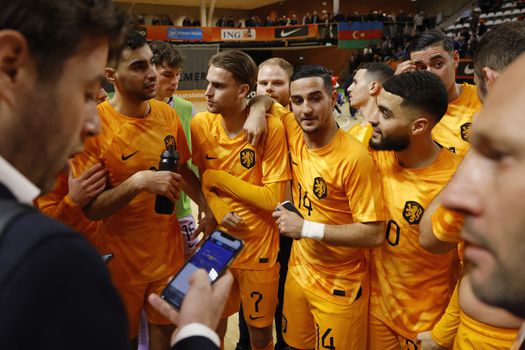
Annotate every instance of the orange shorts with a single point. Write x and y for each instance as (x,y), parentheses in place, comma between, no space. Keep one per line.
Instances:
(310,321)
(135,298)
(257,290)
(382,337)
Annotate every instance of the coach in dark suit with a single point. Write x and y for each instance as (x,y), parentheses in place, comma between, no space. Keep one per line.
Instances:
(55,292)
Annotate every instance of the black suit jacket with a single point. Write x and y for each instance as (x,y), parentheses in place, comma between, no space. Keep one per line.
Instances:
(196,342)
(55,292)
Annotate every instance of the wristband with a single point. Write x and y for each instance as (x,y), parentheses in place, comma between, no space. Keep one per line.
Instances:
(312,230)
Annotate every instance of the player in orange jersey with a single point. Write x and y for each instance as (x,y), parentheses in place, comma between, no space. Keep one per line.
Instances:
(326,291)
(366,85)
(243,184)
(434,51)
(410,288)
(147,246)
(273,79)
(440,227)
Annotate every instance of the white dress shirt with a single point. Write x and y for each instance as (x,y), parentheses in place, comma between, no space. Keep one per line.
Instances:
(23,189)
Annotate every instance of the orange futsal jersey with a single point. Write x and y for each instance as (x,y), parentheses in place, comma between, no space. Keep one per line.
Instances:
(453,129)
(58,205)
(361,133)
(213,149)
(410,287)
(146,245)
(337,184)
(447,224)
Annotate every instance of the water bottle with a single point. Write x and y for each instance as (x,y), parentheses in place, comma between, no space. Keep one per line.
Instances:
(169,161)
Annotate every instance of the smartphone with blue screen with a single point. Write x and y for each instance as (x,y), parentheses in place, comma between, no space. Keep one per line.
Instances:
(215,255)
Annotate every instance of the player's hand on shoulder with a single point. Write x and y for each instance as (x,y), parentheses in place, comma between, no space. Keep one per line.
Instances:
(255,126)
(83,189)
(290,224)
(165,183)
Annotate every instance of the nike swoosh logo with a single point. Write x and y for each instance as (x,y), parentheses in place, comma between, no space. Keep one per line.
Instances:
(124,158)
(285,34)
(294,163)
(193,244)
(255,318)
(209,158)
(468,70)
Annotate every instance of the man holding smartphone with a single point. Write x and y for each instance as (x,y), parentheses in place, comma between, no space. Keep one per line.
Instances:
(242,185)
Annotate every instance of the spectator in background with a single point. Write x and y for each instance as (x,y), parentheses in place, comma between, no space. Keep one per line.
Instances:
(418,22)
(355,17)
(186,22)
(221,22)
(268,22)
(339,17)
(231,22)
(315,18)
(250,22)
(474,20)
(293,20)
(306,18)
(196,22)
(482,27)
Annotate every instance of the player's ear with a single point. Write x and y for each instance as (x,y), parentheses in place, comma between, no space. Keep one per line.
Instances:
(455,58)
(110,75)
(374,87)
(334,96)
(419,126)
(15,61)
(244,90)
(489,77)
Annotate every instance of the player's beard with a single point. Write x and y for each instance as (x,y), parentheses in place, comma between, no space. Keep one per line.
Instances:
(391,143)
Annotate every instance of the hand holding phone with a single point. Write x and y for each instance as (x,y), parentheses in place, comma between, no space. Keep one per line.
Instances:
(214,256)
(290,207)
(290,221)
(204,303)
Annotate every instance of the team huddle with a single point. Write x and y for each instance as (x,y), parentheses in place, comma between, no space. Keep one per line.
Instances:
(374,261)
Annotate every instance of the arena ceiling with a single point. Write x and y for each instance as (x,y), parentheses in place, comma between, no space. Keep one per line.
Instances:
(225,4)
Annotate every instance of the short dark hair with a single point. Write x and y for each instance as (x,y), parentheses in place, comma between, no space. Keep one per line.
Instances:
(378,71)
(421,90)
(54,29)
(429,38)
(165,53)
(498,48)
(313,71)
(134,40)
(239,64)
